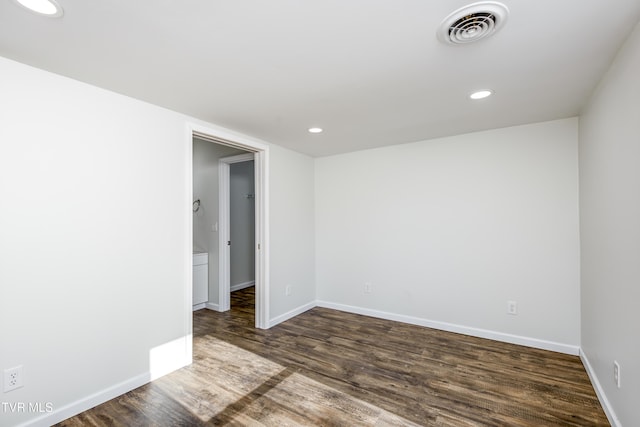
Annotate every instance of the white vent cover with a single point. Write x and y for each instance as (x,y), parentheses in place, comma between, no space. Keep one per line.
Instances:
(473,22)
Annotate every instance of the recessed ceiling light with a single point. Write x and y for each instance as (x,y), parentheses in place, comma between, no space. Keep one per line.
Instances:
(315,130)
(48,8)
(480,94)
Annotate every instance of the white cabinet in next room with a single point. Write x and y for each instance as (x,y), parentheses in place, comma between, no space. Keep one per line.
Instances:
(200,279)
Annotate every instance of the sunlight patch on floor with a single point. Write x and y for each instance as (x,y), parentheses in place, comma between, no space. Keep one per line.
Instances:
(251,390)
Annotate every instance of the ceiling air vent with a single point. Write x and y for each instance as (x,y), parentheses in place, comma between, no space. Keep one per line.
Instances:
(473,22)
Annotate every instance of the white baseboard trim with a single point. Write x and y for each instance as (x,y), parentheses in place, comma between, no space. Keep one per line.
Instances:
(199,306)
(67,411)
(163,359)
(212,306)
(290,314)
(602,397)
(450,327)
(239,286)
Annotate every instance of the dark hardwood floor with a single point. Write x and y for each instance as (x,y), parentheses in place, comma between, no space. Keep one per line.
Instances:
(328,368)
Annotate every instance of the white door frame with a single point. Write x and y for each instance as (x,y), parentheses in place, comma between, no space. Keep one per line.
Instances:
(224,218)
(260,155)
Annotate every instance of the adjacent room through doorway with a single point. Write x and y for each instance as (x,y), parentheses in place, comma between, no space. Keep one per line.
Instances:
(224,223)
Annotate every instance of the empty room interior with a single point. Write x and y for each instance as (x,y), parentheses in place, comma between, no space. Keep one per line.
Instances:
(319,213)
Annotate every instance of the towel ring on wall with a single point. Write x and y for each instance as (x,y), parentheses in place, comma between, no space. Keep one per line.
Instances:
(196,206)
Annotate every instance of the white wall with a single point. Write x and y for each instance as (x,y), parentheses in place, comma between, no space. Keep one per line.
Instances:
(291,217)
(242,227)
(205,187)
(610,230)
(95,208)
(449,230)
(92,188)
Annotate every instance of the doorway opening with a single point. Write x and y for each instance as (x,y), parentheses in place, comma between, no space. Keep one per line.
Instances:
(237,225)
(214,223)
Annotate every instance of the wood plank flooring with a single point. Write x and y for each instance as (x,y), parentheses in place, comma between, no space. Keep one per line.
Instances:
(328,368)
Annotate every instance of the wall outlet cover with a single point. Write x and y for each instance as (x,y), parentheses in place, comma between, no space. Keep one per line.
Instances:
(12,378)
(616,373)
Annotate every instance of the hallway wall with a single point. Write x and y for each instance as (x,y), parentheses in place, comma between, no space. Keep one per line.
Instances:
(242,207)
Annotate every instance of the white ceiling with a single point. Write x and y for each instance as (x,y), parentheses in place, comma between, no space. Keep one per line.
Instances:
(370,72)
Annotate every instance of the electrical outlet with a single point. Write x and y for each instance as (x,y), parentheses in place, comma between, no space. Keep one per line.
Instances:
(512,307)
(616,373)
(368,288)
(12,378)
(287,290)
